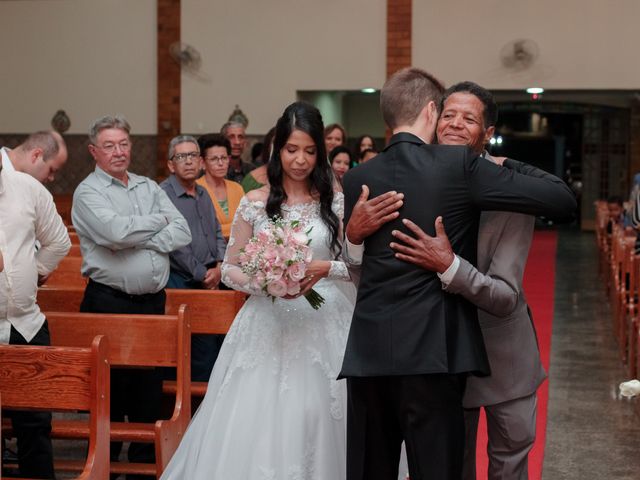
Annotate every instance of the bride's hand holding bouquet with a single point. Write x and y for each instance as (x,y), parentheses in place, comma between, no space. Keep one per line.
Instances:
(278,262)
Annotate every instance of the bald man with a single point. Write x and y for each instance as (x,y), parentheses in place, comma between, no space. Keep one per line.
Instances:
(41,155)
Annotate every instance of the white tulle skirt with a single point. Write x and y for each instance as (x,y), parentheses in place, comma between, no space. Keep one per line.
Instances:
(274,409)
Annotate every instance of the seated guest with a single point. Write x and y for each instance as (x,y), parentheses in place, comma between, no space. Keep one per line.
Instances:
(196,265)
(225,194)
(334,136)
(340,159)
(258,177)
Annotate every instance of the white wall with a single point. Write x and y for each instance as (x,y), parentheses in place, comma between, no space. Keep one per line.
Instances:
(88,57)
(92,57)
(583,44)
(259,53)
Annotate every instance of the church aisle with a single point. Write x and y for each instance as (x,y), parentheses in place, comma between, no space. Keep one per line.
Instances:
(592,433)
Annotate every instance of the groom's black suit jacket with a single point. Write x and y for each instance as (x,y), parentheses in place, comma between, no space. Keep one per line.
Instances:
(404,323)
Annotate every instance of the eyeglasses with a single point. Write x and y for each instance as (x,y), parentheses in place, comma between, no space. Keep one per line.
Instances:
(181,157)
(220,159)
(109,148)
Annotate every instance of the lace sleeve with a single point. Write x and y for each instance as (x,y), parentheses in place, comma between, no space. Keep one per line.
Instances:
(338,269)
(241,233)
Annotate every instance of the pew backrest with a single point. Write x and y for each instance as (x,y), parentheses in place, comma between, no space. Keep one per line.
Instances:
(63,379)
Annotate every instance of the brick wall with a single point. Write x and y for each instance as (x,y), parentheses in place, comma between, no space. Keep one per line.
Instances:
(398,35)
(168,80)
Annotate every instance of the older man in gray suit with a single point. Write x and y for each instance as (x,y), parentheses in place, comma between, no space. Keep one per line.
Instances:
(508,395)
(495,286)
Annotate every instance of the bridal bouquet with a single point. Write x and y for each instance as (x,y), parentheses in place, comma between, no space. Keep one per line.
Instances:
(276,260)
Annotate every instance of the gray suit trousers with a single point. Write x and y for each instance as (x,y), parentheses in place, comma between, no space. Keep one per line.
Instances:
(511,428)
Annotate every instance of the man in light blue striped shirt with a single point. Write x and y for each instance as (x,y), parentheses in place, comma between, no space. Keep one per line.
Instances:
(127,227)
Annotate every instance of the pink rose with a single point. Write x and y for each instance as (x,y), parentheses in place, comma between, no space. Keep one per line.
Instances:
(296,271)
(293,288)
(277,288)
(288,253)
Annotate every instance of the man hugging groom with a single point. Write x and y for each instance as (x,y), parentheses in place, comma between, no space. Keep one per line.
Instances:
(412,345)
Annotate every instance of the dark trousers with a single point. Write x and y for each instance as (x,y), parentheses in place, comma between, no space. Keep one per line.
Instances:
(204,348)
(136,393)
(33,429)
(423,410)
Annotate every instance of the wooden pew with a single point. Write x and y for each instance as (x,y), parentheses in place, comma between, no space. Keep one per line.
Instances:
(67,274)
(74,251)
(63,379)
(212,312)
(63,206)
(135,341)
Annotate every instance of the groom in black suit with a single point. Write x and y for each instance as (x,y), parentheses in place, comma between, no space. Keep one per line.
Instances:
(411,345)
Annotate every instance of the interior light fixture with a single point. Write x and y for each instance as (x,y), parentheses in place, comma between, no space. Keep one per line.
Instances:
(368,90)
(535,90)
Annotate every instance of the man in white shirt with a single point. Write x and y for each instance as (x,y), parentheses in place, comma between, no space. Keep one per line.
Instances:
(27,215)
(41,155)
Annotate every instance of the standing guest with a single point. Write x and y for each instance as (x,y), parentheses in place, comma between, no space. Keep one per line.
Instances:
(127,227)
(340,159)
(411,347)
(28,215)
(367,155)
(225,194)
(364,142)
(508,395)
(334,136)
(196,265)
(41,155)
(273,407)
(236,134)
(258,177)
(616,212)
(256,153)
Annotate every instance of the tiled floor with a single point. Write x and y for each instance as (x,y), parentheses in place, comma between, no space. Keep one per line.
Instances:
(592,432)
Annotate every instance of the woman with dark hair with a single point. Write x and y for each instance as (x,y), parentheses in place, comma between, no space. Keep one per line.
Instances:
(340,159)
(273,408)
(364,142)
(258,177)
(334,136)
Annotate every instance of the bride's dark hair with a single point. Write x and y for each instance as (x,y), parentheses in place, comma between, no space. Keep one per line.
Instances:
(306,118)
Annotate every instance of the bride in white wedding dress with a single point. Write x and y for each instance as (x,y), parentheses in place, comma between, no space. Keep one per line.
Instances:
(274,409)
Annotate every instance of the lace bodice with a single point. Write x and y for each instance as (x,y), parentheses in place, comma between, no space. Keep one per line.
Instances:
(251,217)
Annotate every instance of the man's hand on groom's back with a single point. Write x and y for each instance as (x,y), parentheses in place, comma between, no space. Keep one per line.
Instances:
(369,215)
(430,253)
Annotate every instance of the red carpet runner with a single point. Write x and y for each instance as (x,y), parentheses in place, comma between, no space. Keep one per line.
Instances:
(539,283)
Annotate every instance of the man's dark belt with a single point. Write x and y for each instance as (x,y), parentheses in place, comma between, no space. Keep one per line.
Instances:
(142,297)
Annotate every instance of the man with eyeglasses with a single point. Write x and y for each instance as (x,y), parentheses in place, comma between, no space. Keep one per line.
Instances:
(127,227)
(196,265)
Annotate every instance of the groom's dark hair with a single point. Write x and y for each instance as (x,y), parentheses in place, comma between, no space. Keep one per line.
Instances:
(406,93)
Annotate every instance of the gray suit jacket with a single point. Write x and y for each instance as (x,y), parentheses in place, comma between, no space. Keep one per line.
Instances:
(496,288)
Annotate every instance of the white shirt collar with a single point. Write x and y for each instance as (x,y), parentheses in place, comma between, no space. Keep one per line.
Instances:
(6,161)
